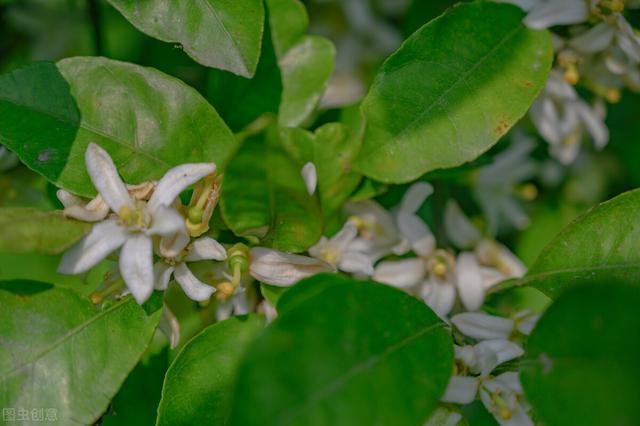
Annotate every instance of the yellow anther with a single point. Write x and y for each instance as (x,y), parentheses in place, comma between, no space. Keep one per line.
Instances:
(505,413)
(440,269)
(613,96)
(96,297)
(357,221)
(571,75)
(225,290)
(126,213)
(616,6)
(528,192)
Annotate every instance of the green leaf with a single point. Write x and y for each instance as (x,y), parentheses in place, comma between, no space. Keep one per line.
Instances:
(198,385)
(60,351)
(272,293)
(349,353)
(136,402)
(224,34)
(145,119)
(451,91)
(581,365)
(264,196)
(29,230)
(289,22)
(306,69)
(602,244)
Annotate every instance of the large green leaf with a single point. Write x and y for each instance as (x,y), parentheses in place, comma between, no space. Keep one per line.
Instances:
(29,230)
(264,196)
(582,358)
(147,120)
(347,353)
(452,90)
(602,244)
(60,351)
(198,386)
(306,68)
(223,34)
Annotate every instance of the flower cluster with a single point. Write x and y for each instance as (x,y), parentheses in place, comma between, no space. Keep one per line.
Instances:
(598,49)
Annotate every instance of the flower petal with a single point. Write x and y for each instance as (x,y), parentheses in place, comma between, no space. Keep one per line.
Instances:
(177,180)
(192,287)
(439,296)
(415,196)
(491,353)
(96,210)
(557,12)
(310,177)
(206,248)
(414,230)
(104,238)
(68,199)
(283,269)
(403,273)
(162,275)
(461,390)
(356,263)
(166,221)
(483,326)
(172,245)
(136,266)
(170,326)
(462,233)
(594,40)
(469,281)
(105,178)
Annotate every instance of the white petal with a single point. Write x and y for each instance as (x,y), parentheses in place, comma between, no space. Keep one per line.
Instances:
(469,281)
(424,246)
(415,197)
(172,245)
(344,237)
(491,353)
(104,238)
(526,325)
(462,233)
(356,263)
(403,273)
(283,269)
(170,326)
(96,210)
(166,221)
(241,305)
(439,296)
(594,124)
(177,180)
(557,12)
(511,381)
(224,309)
(511,262)
(206,248)
(412,228)
(105,178)
(594,40)
(310,177)
(68,199)
(136,266)
(162,275)
(483,326)
(461,390)
(192,287)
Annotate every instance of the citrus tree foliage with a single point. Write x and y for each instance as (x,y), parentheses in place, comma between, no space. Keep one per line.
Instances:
(248,212)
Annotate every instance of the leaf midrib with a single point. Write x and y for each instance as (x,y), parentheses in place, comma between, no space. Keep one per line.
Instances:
(68,335)
(462,78)
(337,383)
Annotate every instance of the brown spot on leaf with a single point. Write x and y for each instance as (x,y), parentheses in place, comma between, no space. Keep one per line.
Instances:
(501,128)
(527,83)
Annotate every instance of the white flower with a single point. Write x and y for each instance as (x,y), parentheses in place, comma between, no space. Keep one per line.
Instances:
(176,252)
(547,13)
(237,304)
(482,358)
(134,224)
(499,186)
(282,269)
(560,116)
(338,252)
(382,233)
(502,397)
(482,326)
(170,326)
(310,177)
(404,273)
